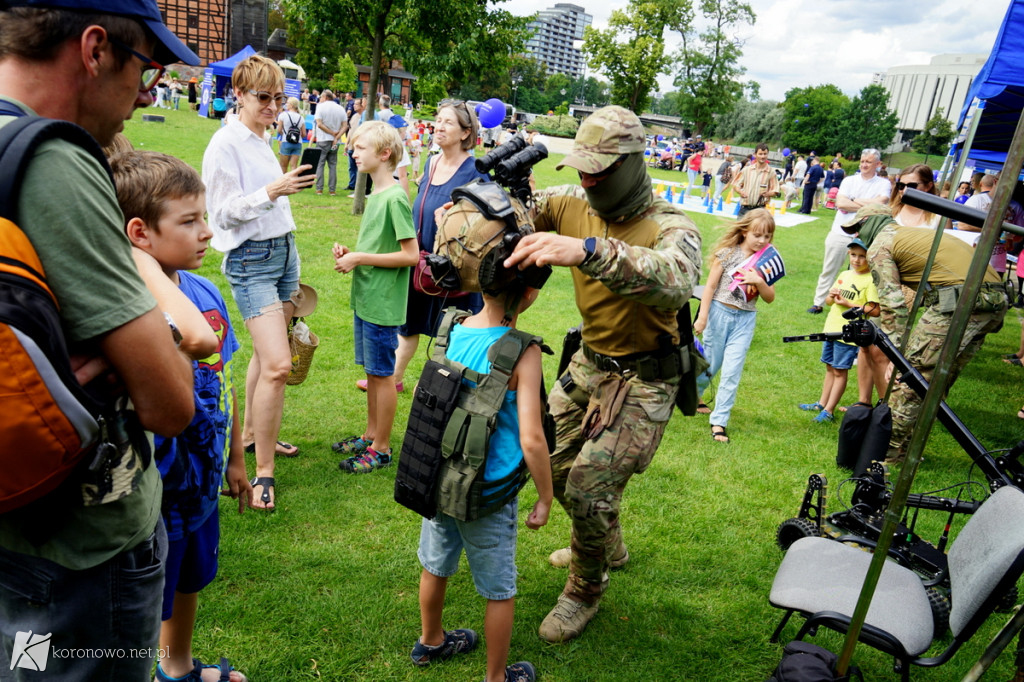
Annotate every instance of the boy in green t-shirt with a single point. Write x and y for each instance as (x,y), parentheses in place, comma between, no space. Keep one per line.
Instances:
(854,288)
(384,253)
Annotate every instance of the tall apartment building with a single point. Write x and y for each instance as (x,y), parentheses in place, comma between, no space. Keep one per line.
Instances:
(553,32)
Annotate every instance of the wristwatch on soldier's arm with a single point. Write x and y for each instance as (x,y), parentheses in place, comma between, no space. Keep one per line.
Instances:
(589,249)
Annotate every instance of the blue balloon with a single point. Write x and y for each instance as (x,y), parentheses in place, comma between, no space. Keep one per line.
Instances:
(786,152)
(806,104)
(491,113)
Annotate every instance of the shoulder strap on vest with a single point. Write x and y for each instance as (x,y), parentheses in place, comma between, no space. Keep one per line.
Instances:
(452,316)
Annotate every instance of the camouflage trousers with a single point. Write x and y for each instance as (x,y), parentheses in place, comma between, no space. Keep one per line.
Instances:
(589,475)
(922,352)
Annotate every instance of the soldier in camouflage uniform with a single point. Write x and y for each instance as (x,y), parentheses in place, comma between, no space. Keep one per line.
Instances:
(635,260)
(897,256)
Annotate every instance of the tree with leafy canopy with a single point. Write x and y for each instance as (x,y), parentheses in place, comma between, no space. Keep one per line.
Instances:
(811,115)
(447,39)
(344,79)
(631,51)
(752,122)
(935,138)
(866,122)
(708,60)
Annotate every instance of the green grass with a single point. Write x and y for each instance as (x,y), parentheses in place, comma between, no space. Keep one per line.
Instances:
(325,588)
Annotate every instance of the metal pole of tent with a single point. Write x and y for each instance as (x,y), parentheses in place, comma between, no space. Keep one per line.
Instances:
(996,646)
(937,388)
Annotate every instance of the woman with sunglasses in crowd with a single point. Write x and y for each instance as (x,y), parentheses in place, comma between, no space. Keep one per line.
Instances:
(455,129)
(920,177)
(247,200)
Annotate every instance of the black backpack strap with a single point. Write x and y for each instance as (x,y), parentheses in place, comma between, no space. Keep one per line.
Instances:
(18,141)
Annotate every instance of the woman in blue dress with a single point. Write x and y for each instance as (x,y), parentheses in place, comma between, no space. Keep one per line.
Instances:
(455,131)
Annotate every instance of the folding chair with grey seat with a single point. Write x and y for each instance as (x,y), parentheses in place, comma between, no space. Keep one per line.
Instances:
(822,579)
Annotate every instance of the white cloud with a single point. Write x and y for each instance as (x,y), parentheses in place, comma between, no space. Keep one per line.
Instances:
(797,43)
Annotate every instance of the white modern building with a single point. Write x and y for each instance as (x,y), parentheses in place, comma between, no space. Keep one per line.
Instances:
(916,92)
(554,30)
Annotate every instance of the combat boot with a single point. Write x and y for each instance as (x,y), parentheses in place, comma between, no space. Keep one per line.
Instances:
(560,558)
(567,620)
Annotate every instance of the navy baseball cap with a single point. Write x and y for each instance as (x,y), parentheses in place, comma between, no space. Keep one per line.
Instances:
(169,47)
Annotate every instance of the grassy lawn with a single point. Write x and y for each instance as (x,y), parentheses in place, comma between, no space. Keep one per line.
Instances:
(326,586)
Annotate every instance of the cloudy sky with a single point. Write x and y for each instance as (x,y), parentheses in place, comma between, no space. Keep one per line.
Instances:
(797,43)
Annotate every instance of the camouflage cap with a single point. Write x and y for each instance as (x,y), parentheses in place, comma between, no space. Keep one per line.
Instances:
(863,213)
(603,137)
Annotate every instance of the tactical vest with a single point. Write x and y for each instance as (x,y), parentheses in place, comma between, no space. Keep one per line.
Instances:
(444,452)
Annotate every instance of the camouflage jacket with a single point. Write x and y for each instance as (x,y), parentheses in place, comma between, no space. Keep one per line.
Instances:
(662,276)
(643,269)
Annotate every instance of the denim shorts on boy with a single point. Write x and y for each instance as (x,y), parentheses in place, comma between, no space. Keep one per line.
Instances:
(262,273)
(191,562)
(490,545)
(838,355)
(290,148)
(375,347)
(45,597)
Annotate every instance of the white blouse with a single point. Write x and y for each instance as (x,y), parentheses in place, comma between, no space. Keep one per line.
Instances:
(237,167)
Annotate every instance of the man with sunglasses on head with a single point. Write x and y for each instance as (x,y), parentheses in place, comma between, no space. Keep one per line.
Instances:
(635,259)
(855,192)
(84,562)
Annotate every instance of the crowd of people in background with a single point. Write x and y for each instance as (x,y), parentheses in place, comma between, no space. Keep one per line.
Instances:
(118,554)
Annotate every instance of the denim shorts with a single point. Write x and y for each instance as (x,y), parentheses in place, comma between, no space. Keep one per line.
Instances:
(290,148)
(191,562)
(838,355)
(375,347)
(262,273)
(490,545)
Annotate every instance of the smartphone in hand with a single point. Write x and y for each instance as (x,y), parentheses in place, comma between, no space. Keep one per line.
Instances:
(311,157)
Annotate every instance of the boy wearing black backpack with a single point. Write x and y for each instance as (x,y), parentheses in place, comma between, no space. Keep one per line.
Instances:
(518,436)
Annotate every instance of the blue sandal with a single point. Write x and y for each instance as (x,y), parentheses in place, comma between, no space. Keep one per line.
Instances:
(196,674)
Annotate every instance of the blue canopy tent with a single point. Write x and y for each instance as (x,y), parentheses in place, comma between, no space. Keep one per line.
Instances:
(997,95)
(218,76)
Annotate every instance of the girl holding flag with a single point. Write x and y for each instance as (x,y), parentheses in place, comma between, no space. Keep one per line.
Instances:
(744,267)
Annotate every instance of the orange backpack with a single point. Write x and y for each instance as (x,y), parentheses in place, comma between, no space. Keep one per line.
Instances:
(48,423)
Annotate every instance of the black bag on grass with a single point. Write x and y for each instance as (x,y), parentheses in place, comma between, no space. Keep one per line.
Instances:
(864,436)
(806,662)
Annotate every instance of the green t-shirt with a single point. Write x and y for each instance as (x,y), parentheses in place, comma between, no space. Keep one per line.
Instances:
(69,212)
(380,295)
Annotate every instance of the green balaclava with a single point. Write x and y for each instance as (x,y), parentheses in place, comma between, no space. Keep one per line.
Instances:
(603,138)
(623,194)
(871,226)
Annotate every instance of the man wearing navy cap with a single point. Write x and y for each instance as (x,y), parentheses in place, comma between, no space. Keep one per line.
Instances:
(82,566)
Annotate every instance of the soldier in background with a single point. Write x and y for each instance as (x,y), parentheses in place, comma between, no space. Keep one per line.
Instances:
(897,256)
(635,260)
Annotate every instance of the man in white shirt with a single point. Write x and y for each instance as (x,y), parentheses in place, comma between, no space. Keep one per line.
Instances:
(330,123)
(856,191)
(799,171)
(980,200)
